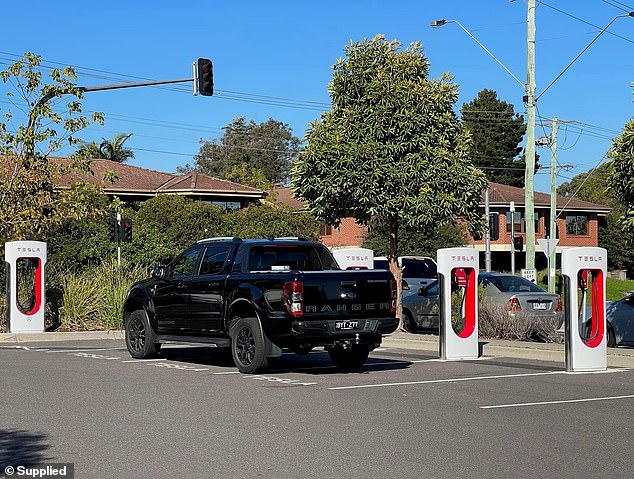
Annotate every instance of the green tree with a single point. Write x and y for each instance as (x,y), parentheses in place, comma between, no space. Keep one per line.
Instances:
(268,147)
(248,176)
(621,179)
(272,222)
(497,132)
(113,150)
(412,241)
(28,204)
(391,150)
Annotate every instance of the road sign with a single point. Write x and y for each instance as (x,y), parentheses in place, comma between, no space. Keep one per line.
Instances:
(530,274)
(548,245)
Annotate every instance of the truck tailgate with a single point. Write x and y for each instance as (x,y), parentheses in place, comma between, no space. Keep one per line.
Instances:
(354,294)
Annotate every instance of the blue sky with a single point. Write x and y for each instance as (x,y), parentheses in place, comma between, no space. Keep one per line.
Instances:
(274,60)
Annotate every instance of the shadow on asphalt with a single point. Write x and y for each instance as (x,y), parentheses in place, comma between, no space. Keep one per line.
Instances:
(316,362)
(22,448)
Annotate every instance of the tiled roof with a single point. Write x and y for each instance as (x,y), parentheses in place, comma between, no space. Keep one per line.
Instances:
(285,195)
(499,195)
(133,179)
(503,194)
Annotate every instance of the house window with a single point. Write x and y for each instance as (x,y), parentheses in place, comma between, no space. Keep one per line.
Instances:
(325,230)
(227,205)
(577,225)
(519,223)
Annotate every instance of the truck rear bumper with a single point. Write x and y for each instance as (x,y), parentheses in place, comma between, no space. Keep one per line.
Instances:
(365,329)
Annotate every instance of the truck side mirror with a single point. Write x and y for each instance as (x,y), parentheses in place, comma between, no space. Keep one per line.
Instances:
(158,272)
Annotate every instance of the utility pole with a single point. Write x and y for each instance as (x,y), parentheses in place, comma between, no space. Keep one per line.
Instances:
(487,237)
(529,197)
(552,260)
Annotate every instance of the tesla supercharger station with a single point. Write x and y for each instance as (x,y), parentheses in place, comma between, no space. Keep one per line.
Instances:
(27,258)
(459,321)
(584,272)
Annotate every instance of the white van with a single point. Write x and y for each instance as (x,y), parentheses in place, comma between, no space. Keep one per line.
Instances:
(418,271)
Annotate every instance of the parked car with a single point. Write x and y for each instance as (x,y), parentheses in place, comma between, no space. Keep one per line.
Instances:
(620,321)
(418,271)
(520,297)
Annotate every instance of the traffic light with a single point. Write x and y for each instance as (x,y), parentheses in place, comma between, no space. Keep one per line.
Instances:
(126,230)
(494,226)
(518,243)
(113,229)
(205,77)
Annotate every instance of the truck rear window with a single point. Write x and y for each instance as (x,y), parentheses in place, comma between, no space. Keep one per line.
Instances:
(290,257)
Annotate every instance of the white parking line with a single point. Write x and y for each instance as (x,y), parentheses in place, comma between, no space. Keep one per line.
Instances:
(568,401)
(227,372)
(84,350)
(473,378)
(450,380)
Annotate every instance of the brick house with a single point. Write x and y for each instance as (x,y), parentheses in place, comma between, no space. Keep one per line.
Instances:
(135,184)
(577,223)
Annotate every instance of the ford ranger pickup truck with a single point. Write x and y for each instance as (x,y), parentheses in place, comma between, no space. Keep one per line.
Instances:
(255,297)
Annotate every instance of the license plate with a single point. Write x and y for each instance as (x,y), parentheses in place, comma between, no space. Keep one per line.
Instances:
(540,306)
(346,324)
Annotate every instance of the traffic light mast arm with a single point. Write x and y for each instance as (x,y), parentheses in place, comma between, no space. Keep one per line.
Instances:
(132,85)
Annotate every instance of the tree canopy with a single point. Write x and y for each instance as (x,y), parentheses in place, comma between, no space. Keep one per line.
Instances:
(113,150)
(391,150)
(28,203)
(622,177)
(268,147)
(497,132)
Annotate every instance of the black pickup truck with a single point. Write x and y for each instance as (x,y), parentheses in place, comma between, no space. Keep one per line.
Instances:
(258,296)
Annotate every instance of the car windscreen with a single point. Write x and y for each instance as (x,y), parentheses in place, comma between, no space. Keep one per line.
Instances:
(290,257)
(419,268)
(513,284)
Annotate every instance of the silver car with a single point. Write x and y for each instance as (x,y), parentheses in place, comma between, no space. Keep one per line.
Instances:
(520,297)
(620,319)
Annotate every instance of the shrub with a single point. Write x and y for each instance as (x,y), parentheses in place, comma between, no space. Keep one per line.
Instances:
(93,299)
(495,323)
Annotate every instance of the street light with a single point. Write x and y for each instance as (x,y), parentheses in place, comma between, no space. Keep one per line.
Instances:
(440,23)
(531,104)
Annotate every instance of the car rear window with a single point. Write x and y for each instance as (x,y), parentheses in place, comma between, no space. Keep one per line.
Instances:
(290,257)
(514,284)
(419,268)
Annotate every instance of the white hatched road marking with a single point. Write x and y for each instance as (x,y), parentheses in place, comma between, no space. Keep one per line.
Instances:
(274,379)
(566,401)
(143,360)
(84,350)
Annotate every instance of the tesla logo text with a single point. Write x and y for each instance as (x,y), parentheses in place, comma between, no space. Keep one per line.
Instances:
(462,257)
(590,259)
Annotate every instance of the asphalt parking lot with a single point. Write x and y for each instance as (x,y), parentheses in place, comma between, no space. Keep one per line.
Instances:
(190,413)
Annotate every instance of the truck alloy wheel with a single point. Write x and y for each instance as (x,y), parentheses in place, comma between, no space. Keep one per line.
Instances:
(247,345)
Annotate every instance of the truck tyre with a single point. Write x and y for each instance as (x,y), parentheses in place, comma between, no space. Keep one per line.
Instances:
(139,336)
(248,348)
(349,360)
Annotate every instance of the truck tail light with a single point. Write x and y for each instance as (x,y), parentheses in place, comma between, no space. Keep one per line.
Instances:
(514,305)
(394,292)
(559,307)
(293,298)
